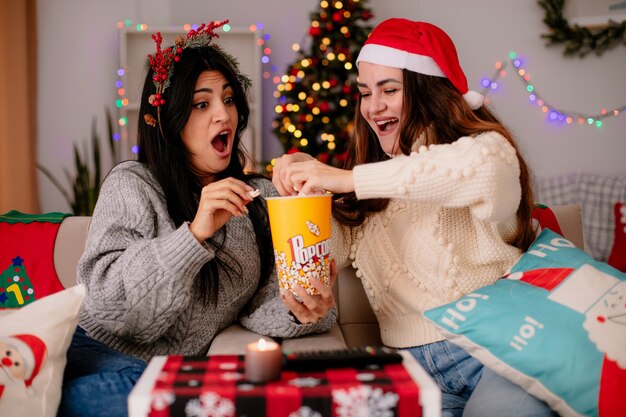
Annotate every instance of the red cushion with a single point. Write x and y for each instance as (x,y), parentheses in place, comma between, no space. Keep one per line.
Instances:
(27,257)
(546,218)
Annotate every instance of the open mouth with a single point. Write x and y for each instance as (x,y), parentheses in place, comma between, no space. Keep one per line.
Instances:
(220,142)
(387,124)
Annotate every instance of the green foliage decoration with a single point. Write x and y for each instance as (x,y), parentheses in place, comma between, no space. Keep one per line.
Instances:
(579,39)
(85,181)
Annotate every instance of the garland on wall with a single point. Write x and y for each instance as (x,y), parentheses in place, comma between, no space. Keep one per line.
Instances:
(577,39)
(553,113)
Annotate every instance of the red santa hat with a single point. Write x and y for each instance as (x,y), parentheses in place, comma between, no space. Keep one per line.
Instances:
(419,47)
(33,351)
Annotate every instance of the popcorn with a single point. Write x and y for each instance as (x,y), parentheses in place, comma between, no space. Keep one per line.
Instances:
(295,273)
(254,193)
(313,228)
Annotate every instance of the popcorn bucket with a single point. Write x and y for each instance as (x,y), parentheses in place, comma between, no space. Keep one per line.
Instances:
(300,228)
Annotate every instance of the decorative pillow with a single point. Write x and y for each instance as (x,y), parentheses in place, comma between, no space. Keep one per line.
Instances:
(555,325)
(33,344)
(26,257)
(617,258)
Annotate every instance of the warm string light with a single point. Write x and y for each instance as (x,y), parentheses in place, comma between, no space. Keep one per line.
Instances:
(553,114)
(286,82)
(122,100)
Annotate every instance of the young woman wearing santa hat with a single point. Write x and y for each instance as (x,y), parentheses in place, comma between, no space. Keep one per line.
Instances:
(434,202)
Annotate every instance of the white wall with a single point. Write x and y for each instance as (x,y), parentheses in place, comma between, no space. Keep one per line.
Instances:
(78,58)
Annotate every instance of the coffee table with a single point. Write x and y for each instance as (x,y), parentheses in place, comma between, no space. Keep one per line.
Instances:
(142,396)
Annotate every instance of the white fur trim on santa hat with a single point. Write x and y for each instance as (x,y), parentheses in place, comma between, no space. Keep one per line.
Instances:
(391,57)
(583,288)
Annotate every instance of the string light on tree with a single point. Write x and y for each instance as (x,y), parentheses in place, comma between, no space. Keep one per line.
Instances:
(553,113)
(317,95)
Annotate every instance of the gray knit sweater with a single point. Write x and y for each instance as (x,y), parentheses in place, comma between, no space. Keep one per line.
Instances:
(139,271)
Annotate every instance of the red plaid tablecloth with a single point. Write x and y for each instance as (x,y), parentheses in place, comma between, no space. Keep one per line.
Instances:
(215,386)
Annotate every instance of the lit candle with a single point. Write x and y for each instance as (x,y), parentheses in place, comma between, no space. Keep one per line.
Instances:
(263,361)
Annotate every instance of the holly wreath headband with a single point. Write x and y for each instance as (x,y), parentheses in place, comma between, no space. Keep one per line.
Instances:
(162,62)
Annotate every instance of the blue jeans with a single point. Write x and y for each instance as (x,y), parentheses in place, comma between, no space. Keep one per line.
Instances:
(97,379)
(471,390)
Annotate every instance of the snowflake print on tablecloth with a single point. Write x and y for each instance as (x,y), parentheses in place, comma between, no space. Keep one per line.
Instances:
(210,405)
(364,401)
(305,411)
(161,400)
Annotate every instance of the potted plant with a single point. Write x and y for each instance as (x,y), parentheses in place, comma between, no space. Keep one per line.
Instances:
(85,182)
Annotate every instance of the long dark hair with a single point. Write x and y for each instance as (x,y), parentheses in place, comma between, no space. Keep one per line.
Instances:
(434,107)
(161,148)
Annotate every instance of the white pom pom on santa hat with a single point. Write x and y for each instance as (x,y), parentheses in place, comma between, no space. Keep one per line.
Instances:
(419,47)
(474,99)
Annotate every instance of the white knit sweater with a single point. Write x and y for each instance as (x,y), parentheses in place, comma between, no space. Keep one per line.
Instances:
(445,233)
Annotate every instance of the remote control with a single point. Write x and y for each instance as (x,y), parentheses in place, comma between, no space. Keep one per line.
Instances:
(356,357)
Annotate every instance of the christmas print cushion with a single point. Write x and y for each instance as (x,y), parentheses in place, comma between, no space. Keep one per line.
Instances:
(33,344)
(27,270)
(555,325)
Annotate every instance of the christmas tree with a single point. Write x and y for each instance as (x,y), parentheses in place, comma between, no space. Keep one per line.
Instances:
(16,289)
(317,95)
